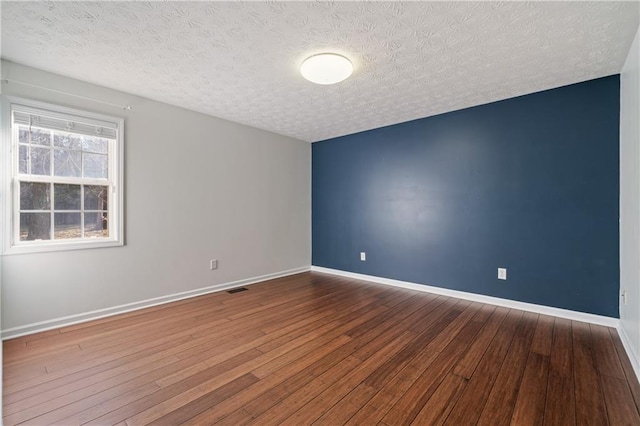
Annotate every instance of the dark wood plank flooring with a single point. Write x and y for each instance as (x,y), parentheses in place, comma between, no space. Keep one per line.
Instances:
(314,348)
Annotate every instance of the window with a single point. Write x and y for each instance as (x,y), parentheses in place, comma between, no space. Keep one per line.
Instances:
(66,179)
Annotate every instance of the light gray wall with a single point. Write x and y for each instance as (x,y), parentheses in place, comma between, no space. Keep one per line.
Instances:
(196,188)
(630,199)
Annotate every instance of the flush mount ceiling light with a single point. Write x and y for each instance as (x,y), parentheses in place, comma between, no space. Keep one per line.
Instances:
(326,68)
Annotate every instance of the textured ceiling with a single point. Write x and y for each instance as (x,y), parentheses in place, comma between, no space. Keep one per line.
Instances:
(240,61)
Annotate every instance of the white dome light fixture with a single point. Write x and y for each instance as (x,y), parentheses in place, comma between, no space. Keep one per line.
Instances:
(326,68)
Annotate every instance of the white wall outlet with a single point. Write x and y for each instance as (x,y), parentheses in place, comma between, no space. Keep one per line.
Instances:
(363,256)
(213,264)
(623,295)
(502,273)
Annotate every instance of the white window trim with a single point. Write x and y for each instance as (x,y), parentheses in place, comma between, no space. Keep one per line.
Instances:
(8,195)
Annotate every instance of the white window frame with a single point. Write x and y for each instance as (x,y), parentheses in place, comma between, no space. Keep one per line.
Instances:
(10,198)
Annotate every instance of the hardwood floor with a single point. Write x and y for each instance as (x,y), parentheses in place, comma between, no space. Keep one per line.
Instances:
(313,348)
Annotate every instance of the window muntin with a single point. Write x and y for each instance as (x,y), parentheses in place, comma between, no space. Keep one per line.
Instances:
(66,179)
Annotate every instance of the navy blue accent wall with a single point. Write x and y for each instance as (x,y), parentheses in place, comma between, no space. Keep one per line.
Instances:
(529,183)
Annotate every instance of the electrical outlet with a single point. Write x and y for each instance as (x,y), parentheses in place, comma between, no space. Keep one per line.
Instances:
(502,273)
(213,264)
(363,256)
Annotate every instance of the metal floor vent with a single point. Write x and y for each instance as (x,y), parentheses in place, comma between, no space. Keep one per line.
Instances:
(237,290)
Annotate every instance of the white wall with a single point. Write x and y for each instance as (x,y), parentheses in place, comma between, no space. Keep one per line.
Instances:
(196,188)
(630,202)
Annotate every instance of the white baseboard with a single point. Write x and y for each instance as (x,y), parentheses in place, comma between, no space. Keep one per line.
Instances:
(37,327)
(530,307)
(631,352)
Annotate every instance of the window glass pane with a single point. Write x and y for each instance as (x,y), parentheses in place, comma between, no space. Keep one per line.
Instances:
(66,225)
(95,165)
(23,160)
(40,161)
(67,140)
(35,226)
(23,135)
(67,163)
(95,144)
(96,225)
(35,196)
(96,197)
(66,197)
(40,137)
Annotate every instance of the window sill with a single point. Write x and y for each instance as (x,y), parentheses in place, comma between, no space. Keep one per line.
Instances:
(60,246)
